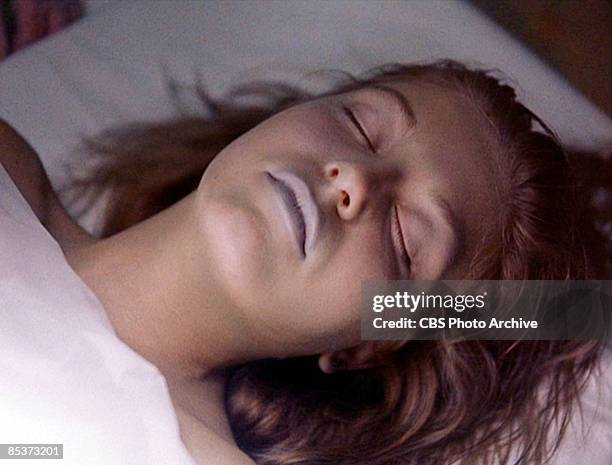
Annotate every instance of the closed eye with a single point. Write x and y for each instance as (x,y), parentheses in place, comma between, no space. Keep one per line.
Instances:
(399,243)
(359,127)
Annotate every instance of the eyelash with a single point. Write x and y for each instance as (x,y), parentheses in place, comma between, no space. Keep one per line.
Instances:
(396,231)
(349,113)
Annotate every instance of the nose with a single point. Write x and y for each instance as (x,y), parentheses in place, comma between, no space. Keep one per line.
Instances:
(351,184)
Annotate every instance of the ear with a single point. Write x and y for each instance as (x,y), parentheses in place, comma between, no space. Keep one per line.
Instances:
(354,358)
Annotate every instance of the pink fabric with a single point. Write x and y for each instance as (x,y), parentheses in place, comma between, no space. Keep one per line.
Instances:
(33,20)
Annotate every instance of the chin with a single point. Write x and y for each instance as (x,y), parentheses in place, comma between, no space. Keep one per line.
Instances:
(237,246)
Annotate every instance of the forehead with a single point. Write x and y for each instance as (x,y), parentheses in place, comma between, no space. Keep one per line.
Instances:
(451,153)
(448,115)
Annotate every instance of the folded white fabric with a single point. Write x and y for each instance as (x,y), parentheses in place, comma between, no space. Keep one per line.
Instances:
(65,376)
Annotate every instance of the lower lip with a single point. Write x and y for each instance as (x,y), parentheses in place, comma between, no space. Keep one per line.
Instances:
(293,220)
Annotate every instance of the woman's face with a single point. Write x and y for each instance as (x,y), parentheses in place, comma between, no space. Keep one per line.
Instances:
(391,181)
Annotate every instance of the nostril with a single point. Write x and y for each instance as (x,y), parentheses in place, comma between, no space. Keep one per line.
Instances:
(346,200)
(333,172)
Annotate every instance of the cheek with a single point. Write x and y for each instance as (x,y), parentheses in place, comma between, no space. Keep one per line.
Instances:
(235,240)
(332,298)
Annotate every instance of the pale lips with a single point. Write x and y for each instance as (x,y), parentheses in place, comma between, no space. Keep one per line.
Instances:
(300,209)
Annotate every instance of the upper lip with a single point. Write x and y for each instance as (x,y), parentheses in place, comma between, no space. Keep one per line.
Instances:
(307,212)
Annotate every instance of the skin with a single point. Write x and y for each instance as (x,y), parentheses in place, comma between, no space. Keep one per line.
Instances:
(219,278)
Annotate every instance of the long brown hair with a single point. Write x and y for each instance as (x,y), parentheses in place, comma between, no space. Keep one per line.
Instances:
(426,402)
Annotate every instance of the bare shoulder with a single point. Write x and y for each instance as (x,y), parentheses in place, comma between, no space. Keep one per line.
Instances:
(27,172)
(205,445)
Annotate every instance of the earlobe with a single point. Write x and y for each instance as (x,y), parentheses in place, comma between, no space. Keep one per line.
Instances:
(325,363)
(358,357)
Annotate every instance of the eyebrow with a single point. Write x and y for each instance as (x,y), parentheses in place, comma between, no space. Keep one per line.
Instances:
(400,99)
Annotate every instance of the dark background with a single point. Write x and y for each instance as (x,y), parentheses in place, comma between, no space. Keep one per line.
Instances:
(574,36)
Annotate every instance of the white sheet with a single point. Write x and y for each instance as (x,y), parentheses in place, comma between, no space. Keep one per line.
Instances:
(66,377)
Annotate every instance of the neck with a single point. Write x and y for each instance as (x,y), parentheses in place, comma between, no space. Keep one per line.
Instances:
(161,298)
